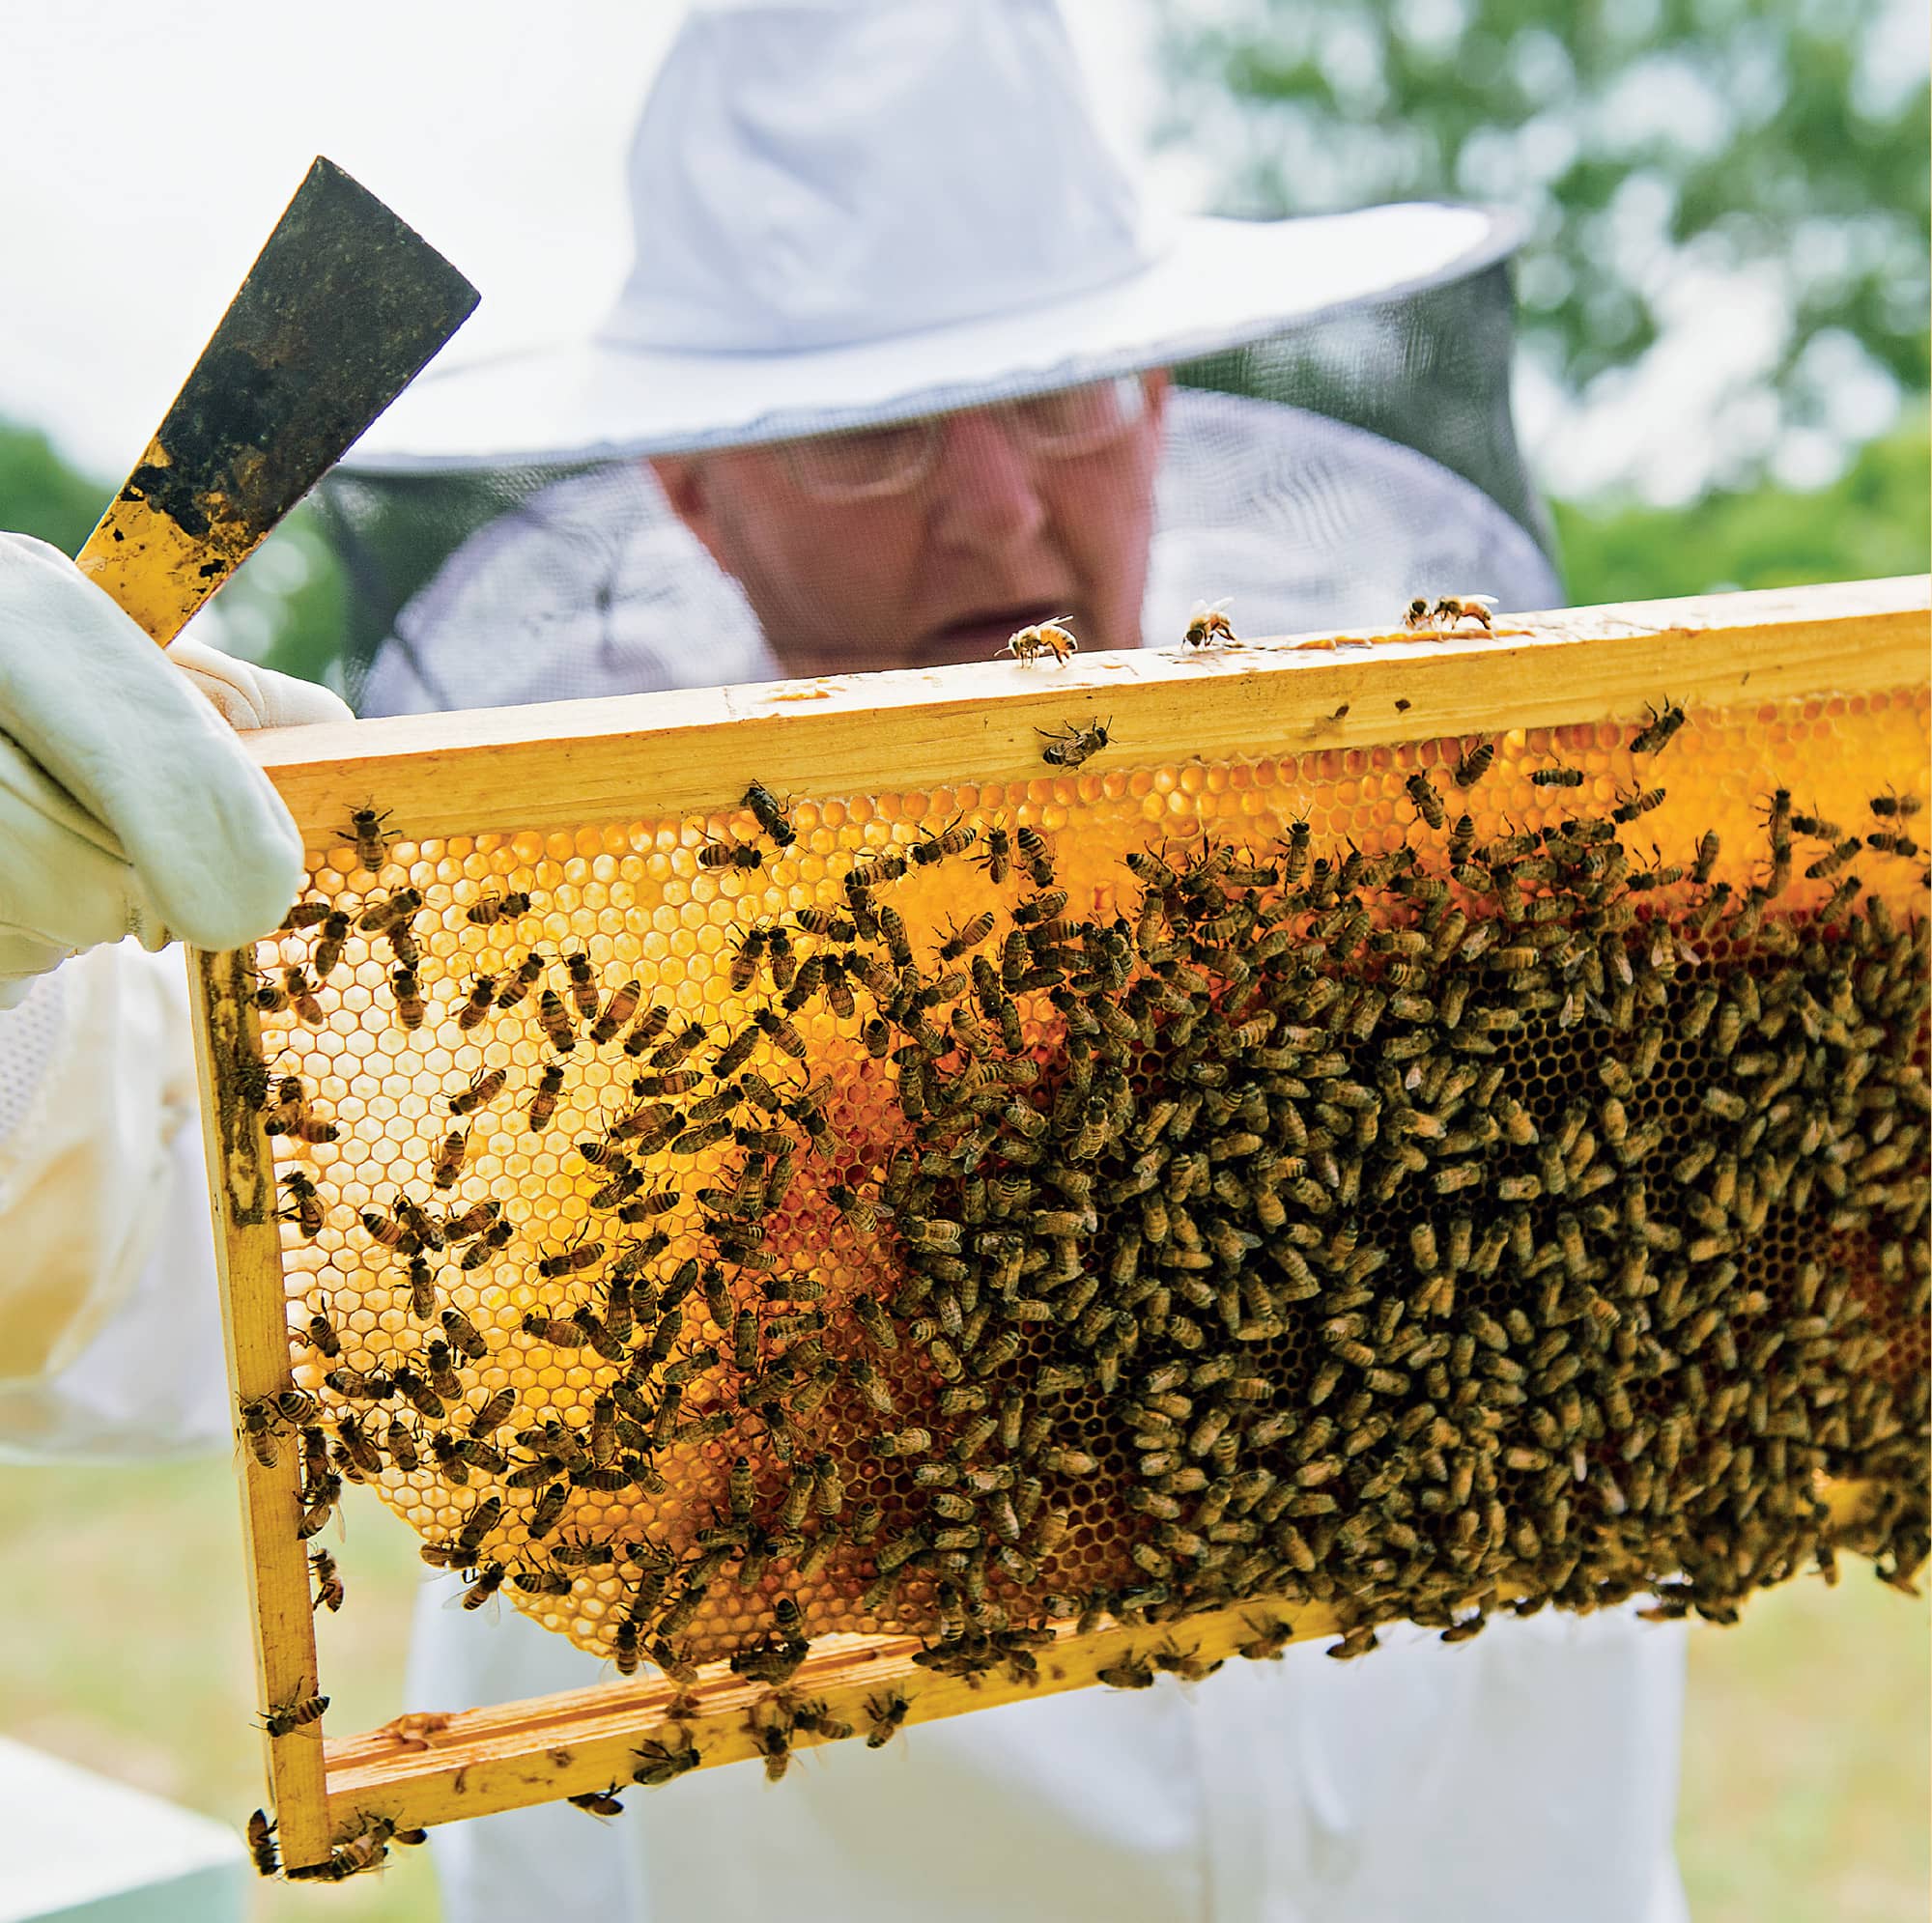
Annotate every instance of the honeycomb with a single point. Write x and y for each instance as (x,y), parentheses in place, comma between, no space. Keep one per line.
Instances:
(1463,1173)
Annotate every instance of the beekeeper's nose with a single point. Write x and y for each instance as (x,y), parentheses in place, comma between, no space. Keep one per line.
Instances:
(986,482)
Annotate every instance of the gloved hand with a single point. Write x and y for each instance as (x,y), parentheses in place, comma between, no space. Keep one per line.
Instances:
(127,805)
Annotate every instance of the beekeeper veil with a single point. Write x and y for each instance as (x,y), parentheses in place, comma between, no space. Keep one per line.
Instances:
(904,362)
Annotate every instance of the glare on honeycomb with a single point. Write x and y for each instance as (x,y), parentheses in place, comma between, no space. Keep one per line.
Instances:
(1447,1470)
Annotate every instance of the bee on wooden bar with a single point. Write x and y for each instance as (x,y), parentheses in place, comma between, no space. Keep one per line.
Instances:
(1208,624)
(1073,745)
(1046,637)
(771,814)
(293,1713)
(1455,609)
(261,1845)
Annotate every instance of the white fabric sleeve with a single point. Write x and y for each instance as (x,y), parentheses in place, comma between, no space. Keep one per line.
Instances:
(109,1330)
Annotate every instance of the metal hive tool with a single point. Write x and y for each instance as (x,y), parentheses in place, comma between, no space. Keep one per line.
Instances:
(1392,1136)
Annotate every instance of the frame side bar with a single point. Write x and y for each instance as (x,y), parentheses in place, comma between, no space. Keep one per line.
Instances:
(248,1262)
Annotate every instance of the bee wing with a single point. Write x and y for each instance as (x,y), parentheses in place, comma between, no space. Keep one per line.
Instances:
(1487,600)
(1221,606)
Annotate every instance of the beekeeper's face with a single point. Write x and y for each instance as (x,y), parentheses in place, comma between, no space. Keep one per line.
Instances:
(931,542)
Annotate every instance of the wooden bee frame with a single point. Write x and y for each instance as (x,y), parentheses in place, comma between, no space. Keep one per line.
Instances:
(696,752)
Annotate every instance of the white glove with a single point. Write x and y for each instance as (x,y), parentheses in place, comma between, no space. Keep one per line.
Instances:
(127,807)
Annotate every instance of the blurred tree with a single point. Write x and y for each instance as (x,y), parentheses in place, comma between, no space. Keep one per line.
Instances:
(284,609)
(40,495)
(1872,521)
(1781,140)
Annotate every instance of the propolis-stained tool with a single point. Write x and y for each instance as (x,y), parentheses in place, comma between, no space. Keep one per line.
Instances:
(340,312)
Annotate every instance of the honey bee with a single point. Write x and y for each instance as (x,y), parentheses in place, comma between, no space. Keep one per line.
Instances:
(730,853)
(522,981)
(261,1845)
(618,1010)
(557,1023)
(670,1054)
(1073,745)
(322,1333)
(482,994)
(771,814)
(408,992)
(329,1589)
(599,1802)
(543,1104)
(1208,624)
(1048,637)
(1428,803)
(462,1334)
(372,844)
(329,949)
(647,1029)
(498,907)
(1474,765)
(450,1158)
(492,1239)
(1891,806)
(262,1416)
(583,985)
(1557,778)
(296,1712)
(1130,1671)
(304,1205)
(485,1086)
(295,986)
(392,912)
(571,1261)
(1452,608)
(659,1763)
(1889,842)
(1663,724)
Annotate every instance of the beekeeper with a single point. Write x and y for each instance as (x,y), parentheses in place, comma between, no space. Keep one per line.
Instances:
(894,348)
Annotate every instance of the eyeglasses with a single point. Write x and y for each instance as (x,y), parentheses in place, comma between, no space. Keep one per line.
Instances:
(871,462)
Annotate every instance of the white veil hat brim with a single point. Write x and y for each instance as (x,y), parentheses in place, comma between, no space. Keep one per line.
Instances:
(850,212)
(1220,284)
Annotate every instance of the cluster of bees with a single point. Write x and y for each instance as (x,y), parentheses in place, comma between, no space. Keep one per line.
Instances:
(1490,1223)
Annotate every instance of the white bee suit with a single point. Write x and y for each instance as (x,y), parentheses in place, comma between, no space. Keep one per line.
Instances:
(1525,1777)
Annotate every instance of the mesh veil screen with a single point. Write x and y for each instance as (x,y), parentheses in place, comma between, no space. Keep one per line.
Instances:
(1318,478)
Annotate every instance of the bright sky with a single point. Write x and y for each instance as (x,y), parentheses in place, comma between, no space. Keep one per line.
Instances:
(145,153)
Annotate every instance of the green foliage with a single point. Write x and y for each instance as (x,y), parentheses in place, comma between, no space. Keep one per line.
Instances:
(1641,138)
(1870,522)
(40,495)
(284,609)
